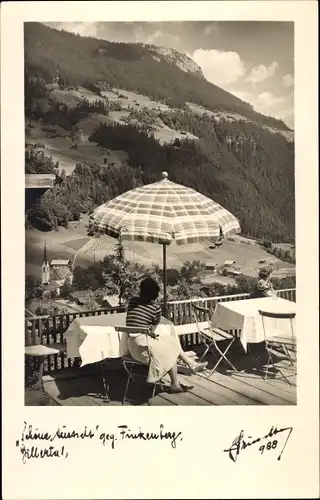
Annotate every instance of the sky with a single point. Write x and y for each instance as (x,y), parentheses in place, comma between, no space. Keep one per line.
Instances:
(253,60)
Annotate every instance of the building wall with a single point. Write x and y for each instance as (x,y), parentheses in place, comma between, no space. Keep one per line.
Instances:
(45,274)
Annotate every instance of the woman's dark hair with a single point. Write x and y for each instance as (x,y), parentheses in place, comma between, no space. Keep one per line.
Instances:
(149,289)
(265,272)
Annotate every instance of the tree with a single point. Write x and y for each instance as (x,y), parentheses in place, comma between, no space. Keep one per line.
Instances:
(267,244)
(191,271)
(216,289)
(66,288)
(282,283)
(173,277)
(50,309)
(38,163)
(225,271)
(120,276)
(32,288)
(89,278)
(41,216)
(245,284)
(186,290)
(287,256)
(93,302)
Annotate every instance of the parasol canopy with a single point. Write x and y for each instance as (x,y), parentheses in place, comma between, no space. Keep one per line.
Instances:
(161,212)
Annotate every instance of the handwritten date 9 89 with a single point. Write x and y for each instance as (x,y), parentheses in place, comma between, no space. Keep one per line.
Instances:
(239,444)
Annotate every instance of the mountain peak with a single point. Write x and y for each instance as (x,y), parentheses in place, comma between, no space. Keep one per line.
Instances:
(173,56)
(134,67)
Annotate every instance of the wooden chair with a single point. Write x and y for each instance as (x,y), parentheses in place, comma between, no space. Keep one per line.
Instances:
(210,337)
(274,338)
(129,363)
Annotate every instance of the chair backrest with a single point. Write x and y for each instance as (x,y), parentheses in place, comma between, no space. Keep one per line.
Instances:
(132,329)
(127,330)
(278,316)
(199,309)
(269,314)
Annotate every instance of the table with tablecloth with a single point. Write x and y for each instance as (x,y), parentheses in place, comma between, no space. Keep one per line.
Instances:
(94,338)
(244,315)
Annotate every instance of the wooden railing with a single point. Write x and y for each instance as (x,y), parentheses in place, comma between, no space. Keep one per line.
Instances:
(50,329)
(180,311)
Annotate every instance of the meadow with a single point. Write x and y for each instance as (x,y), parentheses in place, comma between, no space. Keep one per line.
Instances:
(73,244)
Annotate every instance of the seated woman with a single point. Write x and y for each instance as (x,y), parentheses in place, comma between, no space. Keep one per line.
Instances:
(264,286)
(164,349)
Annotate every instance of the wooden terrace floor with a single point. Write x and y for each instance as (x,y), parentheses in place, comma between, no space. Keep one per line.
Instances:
(79,388)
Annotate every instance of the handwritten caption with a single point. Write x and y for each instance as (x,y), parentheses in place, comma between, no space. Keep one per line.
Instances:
(267,442)
(37,444)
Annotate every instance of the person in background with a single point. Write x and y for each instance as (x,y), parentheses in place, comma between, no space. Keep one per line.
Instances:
(165,349)
(264,286)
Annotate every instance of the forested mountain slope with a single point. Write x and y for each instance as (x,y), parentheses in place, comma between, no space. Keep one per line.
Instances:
(129,66)
(226,152)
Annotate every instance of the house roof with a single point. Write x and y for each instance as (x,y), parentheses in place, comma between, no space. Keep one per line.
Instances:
(80,294)
(60,274)
(39,180)
(49,286)
(229,262)
(60,262)
(113,300)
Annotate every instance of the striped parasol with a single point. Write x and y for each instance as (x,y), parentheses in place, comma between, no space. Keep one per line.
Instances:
(161,212)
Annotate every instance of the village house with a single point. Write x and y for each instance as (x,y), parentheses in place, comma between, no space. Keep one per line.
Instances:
(234,272)
(54,274)
(210,265)
(229,262)
(83,298)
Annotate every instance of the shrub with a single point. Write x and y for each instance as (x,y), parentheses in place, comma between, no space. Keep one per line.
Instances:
(267,244)
(224,271)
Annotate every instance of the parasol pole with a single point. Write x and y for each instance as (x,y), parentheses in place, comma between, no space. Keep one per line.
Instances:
(165,312)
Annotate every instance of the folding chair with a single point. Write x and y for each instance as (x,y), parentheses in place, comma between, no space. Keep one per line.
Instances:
(129,363)
(211,336)
(274,338)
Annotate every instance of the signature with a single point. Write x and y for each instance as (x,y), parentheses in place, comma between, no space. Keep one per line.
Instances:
(239,443)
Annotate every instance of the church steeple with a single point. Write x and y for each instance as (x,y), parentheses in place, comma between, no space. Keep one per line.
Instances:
(45,259)
(45,267)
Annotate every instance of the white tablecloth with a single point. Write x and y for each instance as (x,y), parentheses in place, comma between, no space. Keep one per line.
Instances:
(244,315)
(93,338)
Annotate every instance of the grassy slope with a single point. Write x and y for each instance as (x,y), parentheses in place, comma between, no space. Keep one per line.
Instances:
(66,242)
(130,66)
(58,146)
